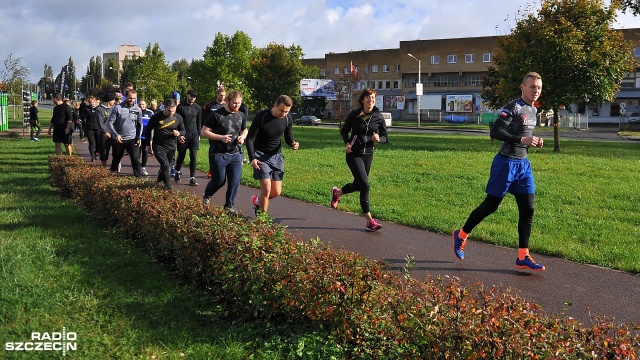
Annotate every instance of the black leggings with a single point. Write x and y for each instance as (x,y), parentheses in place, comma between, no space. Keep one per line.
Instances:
(93,135)
(490,205)
(164,156)
(359,165)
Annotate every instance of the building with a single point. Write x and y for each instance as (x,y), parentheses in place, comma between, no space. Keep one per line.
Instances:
(124,51)
(451,72)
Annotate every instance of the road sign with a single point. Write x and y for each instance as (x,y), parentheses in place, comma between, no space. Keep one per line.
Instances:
(622,111)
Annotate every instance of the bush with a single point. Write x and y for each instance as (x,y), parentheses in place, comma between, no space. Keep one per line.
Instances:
(262,271)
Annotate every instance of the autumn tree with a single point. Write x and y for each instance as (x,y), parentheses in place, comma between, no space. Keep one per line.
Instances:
(343,88)
(151,74)
(571,44)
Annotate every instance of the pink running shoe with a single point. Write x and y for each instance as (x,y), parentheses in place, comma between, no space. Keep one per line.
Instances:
(335,199)
(373,225)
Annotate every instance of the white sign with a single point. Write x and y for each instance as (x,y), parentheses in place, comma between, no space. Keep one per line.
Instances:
(419,89)
(623,105)
(622,110)
(459,103)
(318,87)
(46,341)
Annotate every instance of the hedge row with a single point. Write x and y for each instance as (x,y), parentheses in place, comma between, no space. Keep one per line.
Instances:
(263,271)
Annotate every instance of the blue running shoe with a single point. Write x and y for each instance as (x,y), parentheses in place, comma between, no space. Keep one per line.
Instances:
(529,264)
(458,245)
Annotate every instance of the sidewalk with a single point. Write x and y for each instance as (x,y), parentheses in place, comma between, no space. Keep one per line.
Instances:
(589,289)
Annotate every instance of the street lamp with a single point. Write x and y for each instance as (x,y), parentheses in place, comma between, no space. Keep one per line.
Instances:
(418,86)
(118,72)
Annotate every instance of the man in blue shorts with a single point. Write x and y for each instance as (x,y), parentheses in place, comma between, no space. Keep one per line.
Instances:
(263,147)
(511,171)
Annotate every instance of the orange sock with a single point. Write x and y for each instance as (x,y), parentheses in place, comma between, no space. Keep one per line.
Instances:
(462,235)
(522,252)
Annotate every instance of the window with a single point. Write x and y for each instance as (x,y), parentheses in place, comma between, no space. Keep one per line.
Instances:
(473,80)
(435,59)
(366,70)
(396,68)
(396,84)
(469,58)
(336,71)
(451,59)
(636,52)
(322,73)
(387,84)
(385,68)
(347,70)
(446,80)
(374,68)
(358,69)
(380,85)
(372,84)
(486,57)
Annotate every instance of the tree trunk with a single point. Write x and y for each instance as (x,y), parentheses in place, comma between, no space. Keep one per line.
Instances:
(556,131)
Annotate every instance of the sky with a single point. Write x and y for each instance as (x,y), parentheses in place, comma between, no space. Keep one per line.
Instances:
(49,32)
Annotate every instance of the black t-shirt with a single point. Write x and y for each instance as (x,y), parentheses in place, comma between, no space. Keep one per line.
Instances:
(265,133)
(162,127)
(62,114)
(517,119)
(222,122)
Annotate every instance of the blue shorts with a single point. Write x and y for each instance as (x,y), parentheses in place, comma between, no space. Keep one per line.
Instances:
(510,176)
(271,166)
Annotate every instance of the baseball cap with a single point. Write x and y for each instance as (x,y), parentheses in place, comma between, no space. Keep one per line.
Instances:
(175,95)
(192,93)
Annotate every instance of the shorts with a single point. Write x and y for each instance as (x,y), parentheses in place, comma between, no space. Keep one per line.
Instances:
(510,176)
(271,167)
(59,136)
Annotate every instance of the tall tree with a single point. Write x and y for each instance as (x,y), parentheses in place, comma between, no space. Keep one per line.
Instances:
(12,78)
(276,70)
(111,72)
(226,61)
(181,68)
(572,45)
(632,6)
(152,77)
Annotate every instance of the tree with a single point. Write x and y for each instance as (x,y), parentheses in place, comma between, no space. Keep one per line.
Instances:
(572,46)
(276,70)
(112,68)
(343,86)
(181,68)
(631,5)
(11,80)
(151,75)
(226,61)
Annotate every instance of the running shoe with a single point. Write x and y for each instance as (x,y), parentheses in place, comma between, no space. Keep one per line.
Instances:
(209,175)
(529,264)
(176,175)
(144,172)
(256,204)
(119,167)
(458,245)
(373,225)
(173,172)
(206,200)
(335,199)
(193,182)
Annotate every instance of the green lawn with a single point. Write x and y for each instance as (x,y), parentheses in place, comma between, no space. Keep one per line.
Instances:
(586,202)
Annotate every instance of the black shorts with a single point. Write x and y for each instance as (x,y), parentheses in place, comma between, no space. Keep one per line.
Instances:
(59,136)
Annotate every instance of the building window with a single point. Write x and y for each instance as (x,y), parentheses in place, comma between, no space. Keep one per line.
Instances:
(473,80)
(380,85)
(636,52)
(374,68)
(347,70)
(358,69)
(446,80)
(486,57)
(385,68)
(451,59)
(366,70)
(469,58)
(322,73)
(396,68)
(336,71)
(387,84)
(435,59)
(396,84)
(372,84)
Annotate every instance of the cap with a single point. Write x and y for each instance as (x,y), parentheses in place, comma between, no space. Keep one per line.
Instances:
(108,97)
(192,93)
(175,95)
(65,99)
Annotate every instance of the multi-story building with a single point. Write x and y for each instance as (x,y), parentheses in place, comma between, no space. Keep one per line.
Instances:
(124,51)
(451,72)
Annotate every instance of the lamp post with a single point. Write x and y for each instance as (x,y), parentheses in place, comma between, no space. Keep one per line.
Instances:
(418,86)
(118,73)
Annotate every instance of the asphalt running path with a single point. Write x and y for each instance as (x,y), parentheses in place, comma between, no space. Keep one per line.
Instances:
(589,290)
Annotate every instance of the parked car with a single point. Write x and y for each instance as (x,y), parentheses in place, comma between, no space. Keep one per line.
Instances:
(308,120)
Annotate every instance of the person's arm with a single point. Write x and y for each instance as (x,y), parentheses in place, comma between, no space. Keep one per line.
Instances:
(251,136)
(382,131)
(288,134)
(69,117)
(199,120)
(499,128)
(113,115)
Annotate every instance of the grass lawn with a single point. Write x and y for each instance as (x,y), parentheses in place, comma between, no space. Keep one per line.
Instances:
(59,267)
(586,202)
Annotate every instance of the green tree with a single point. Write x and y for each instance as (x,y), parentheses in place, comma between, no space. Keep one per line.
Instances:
(11,80)
(228,61)
(151,75)
(112,68)
(631,5)
(571,44)
(276,70)
(181,68)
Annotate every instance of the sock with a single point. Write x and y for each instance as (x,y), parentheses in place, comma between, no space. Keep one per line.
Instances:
(462,235)
(522,252)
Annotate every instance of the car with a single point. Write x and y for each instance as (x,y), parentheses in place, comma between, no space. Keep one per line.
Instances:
(308,120)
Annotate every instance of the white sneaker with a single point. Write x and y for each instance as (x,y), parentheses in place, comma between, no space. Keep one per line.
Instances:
(144,172)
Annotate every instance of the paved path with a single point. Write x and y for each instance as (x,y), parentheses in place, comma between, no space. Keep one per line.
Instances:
(591,290)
